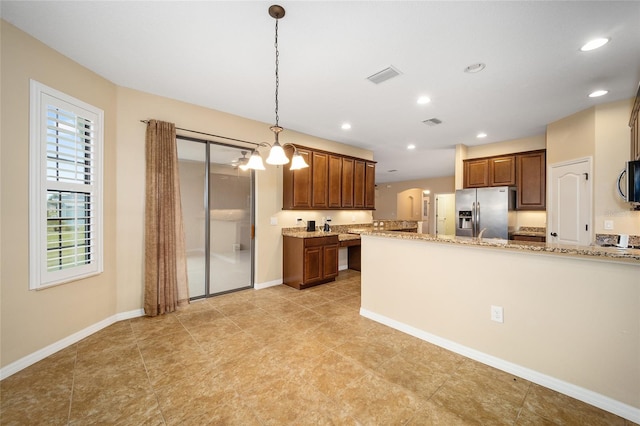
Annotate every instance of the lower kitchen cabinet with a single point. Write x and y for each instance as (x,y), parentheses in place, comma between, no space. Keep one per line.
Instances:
(309,261)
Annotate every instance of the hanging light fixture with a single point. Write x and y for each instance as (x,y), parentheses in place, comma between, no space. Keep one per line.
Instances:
(277,155)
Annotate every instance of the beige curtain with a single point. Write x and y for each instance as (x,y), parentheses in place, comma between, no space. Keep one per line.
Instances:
(166,285)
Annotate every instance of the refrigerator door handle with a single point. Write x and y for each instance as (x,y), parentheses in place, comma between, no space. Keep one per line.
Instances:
(473,219)
(478,227)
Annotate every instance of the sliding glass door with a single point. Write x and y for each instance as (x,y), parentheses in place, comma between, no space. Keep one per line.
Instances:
(217,204)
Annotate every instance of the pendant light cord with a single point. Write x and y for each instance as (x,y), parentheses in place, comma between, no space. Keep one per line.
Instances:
(277,74)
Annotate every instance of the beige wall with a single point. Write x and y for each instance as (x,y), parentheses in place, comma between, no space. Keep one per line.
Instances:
(601,132)
(612,140)
(31,320)
(134,106)
(387,196)
(574,320)
(507,147)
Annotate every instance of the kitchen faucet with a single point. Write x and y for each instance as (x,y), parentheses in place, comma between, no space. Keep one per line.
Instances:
(481,232)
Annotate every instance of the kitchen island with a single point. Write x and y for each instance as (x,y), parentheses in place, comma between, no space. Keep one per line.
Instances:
(571,314)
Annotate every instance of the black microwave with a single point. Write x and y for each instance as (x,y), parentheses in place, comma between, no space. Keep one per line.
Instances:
(631,192)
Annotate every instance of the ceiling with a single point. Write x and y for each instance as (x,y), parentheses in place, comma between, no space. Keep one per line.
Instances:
(220,54)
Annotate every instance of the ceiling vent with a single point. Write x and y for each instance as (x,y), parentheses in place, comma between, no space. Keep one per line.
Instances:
(432,122)
(384,75)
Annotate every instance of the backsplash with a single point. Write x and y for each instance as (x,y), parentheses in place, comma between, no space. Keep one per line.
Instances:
(612,239)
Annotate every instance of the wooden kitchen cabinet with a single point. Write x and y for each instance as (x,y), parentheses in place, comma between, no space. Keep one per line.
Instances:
(347,183)
(502,171)
(296,184)
(331,182)
(309,261)
(359,182)
(634,123)
(530,238)
(531,182)
(319,180)
(476,173)
(370,185)
(335,182)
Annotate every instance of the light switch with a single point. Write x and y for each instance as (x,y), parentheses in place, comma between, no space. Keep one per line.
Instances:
(608,224)
(274,220)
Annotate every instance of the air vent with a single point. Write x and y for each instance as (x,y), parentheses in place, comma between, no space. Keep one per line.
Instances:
(384,75)
(432,122)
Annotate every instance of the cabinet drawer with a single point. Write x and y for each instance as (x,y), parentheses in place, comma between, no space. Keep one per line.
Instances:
(320,241)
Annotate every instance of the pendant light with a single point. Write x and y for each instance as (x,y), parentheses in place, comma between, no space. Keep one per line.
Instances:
(277,155)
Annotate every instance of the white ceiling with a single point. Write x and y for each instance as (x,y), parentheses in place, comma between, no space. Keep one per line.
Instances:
(220,54)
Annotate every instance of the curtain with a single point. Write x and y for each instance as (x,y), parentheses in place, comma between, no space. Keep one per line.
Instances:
(166,285)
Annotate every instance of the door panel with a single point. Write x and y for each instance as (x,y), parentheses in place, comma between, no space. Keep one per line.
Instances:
(570,203)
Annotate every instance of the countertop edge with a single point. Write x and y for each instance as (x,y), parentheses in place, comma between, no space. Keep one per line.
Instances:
(627,256)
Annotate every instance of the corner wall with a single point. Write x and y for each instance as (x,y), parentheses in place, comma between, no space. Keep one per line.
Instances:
(32,320)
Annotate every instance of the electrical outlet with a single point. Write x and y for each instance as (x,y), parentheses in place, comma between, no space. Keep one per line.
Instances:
(608,224)
(273,220)
(497,313)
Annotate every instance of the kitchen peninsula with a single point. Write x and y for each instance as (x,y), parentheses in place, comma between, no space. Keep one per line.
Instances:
(568,317)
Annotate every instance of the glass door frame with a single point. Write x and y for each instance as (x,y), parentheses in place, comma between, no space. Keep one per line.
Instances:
(207,217)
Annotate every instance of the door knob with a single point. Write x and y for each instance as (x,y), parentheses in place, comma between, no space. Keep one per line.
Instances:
(554,234)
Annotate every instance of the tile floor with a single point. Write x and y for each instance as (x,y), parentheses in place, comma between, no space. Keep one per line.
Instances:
(276,356)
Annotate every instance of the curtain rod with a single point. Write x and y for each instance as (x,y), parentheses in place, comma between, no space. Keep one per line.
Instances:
(209,134)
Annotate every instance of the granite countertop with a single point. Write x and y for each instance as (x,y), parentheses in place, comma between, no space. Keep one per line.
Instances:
(318,234)
(593,252)
(530,231)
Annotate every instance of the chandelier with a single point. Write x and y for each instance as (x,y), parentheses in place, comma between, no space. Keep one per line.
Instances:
(276,153)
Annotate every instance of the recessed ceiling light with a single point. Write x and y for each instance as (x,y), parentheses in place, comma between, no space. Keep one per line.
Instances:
(473,68)
(346,126)
(423,100)
(411,146)
(426,192)
(594,44)
(481,135)
(598,93)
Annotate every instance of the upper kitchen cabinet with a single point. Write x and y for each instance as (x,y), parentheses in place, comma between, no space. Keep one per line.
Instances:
(358,184)
(634,123)
(531,169)
(502,171)
(332,181)
(476,173)
(320,180)
(524,170)
(490,171)
(296,184)
(335,182)
(347,182)
(370,185)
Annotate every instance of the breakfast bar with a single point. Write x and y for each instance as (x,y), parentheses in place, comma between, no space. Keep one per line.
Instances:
(565,317)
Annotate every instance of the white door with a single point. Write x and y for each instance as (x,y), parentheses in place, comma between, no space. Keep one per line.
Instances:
(445,212)
(570,188)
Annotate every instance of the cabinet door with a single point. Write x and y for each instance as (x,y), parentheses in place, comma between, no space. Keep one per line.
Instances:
(296,185)
(358,183)
(476,173)
(313,264)
(319,181)
(330,261)
(370,186)
(335,181)
(531,181)
(502,171)
(347,182)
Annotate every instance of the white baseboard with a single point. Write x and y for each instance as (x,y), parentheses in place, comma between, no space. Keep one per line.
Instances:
(41,354)
(260,286)
(593,398)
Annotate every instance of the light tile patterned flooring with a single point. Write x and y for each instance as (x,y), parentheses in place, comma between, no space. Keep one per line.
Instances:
(276,356)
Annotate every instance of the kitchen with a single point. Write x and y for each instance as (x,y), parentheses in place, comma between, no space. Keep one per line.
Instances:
(600,132)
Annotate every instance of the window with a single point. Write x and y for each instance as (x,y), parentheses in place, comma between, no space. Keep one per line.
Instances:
(65,188)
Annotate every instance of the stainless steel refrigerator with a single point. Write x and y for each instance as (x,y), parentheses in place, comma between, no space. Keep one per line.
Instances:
(489,212)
